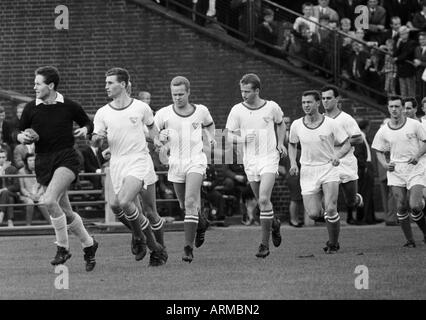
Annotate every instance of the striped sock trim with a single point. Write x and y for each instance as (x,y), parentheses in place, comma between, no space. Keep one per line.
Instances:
(158,225)
(267,215)
(133,216)
(120,214)
(333,219)
(191,219)
(401,217)
(144,224)
(417,217)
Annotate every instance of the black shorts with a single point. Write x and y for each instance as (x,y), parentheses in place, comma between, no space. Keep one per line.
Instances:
(47,163)
(293,183)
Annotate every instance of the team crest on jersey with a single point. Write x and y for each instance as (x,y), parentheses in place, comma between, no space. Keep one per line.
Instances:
(267,119)
(195,125)
(134,120)
(411,136)
(323,138)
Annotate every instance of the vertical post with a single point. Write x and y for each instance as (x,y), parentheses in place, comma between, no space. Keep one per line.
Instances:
(336,57)
(250,22)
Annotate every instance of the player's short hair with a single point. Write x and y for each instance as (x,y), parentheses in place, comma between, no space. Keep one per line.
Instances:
(412,100)
(50,74)
(251,78)
(332,88)
(312,93)
(422,34)
(394,98)
(179,80)
(121,74)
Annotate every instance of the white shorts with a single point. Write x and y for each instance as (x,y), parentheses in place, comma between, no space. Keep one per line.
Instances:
(139,166)
(254,167)
(178,169)
(348,169)
(407,175)
(313,177)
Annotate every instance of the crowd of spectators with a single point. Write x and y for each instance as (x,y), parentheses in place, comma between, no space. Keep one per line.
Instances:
(390,56)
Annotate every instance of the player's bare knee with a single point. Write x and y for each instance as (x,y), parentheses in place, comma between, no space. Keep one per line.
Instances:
(115,208)
(417,205)
(191,203)
(50,202)
(331,210)
(313,214)
(264,203)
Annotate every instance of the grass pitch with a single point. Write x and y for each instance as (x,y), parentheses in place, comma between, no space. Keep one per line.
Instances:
(224,268)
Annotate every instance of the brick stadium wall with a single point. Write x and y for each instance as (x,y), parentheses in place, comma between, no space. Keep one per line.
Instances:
(154,48)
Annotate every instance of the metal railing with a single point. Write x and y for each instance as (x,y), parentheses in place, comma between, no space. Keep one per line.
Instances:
(109,216)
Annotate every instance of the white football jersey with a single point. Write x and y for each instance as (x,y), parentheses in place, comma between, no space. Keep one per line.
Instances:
(184,133)
(124,128)
(317,143)
(350,126)
(260,121)
(403,143)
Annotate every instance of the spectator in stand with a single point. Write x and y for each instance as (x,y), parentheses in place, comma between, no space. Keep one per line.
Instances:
(291,45)
(267,31)
(393,32)
(9,188)
(366,173)
(345,42)
(372,75)
(389,68)
(402,8)
(6,129)
(355,66)
(19,153)
(93,162)
(308,18)
(403,57)
(310,48)
(419,19)
(15,121)
(388,199)
(241,6)
(420,64)
(346,8)
(31,191)
(376,21)
(323,9)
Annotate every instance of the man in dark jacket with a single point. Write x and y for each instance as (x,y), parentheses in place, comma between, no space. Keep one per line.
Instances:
(9,188)
(404,57)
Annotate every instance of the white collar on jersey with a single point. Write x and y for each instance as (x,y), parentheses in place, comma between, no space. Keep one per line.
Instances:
(59,98)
